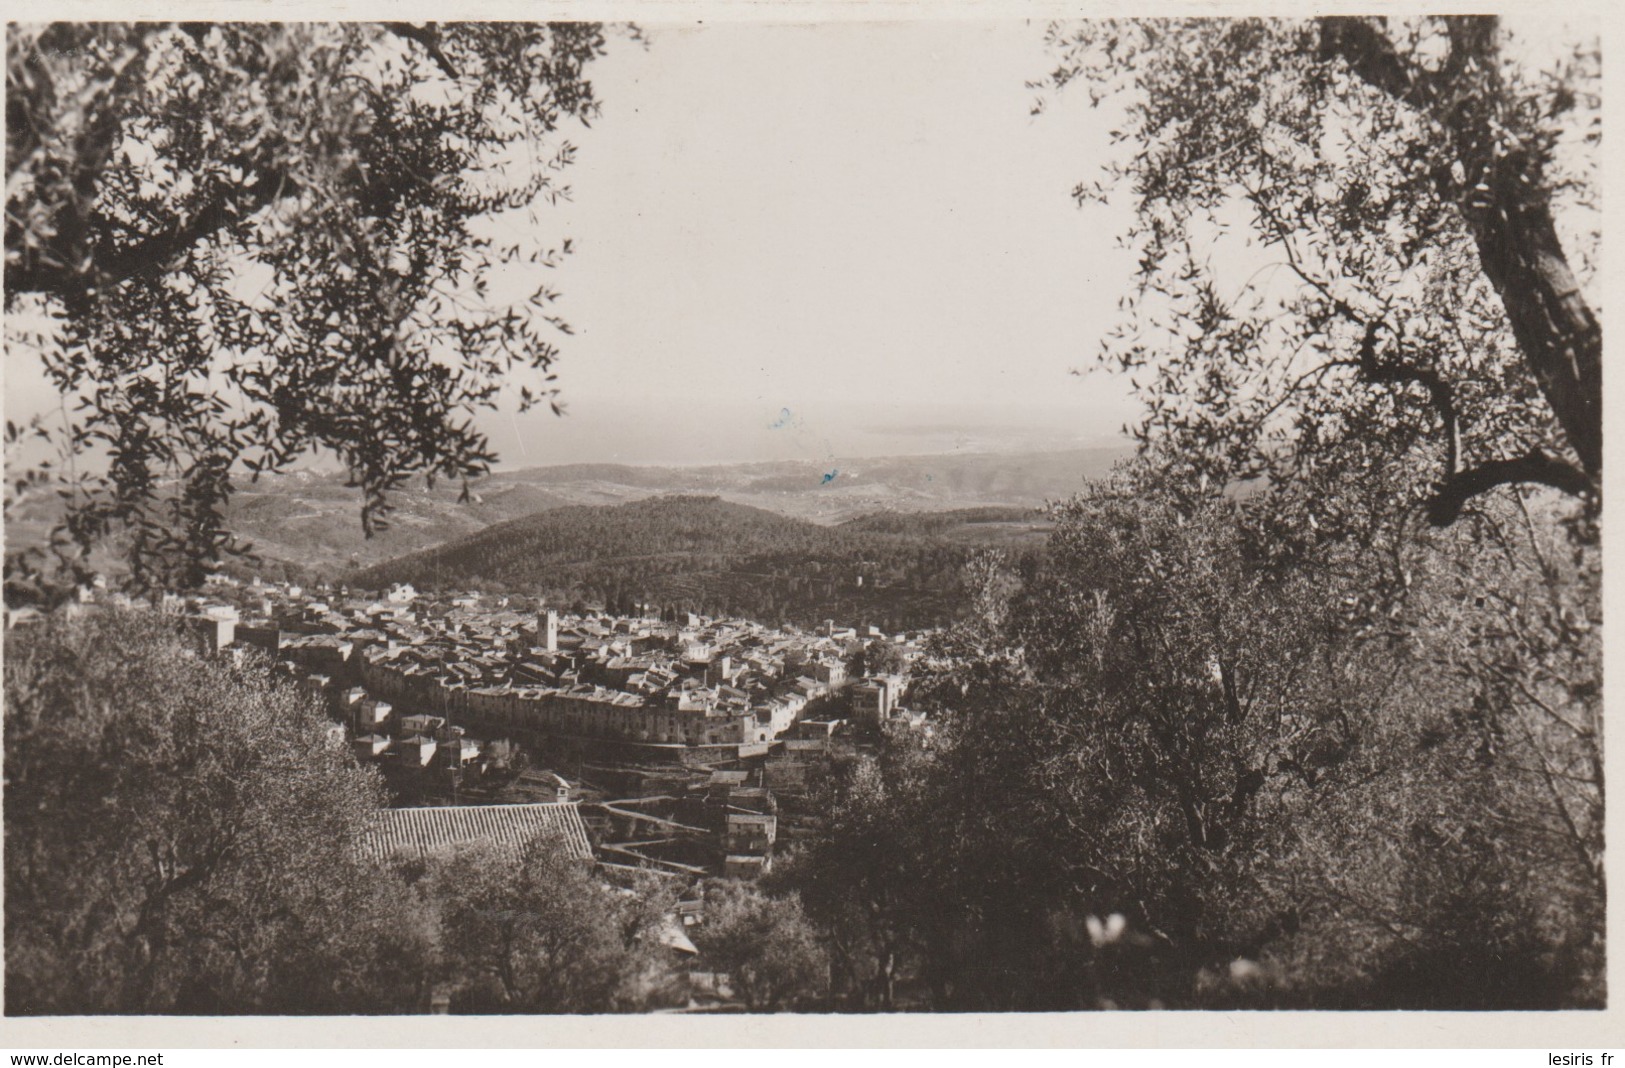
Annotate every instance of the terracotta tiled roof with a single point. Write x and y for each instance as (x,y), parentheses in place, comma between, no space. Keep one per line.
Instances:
(419,831)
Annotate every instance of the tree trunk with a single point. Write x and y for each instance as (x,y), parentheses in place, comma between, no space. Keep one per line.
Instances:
(1507,208)
(1555,327)
(888,979)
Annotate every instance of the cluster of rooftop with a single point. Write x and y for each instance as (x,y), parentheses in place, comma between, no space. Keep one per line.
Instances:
(414,676)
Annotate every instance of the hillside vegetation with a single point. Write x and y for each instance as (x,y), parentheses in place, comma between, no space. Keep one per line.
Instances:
(180,841)
(707,554)
(305,525)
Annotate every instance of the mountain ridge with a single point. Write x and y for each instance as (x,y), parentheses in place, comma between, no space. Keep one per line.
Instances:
(307,520)
(704,553)
(315,517)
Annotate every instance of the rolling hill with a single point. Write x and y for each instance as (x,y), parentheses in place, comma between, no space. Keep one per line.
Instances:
(711,555)
(306,524)
(307,517)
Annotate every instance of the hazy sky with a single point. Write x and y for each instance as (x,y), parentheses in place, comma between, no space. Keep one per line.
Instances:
(803,241)
(811,241)
(797,241)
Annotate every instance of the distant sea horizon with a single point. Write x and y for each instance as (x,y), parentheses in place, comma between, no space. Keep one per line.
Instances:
(327,465)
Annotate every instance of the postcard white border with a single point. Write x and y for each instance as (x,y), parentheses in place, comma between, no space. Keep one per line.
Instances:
(1113,1030)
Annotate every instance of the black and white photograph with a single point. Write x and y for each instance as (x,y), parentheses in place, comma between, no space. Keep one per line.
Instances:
(701,516)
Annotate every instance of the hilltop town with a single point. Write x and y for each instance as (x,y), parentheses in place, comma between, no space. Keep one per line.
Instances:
(680,742)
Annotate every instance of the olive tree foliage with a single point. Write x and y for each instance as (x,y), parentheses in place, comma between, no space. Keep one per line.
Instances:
(1189,702)
(539,934)
(770,951)
(1335,778)
(878,657)
(1456,860)
(1412,300)
(180,838)
(230,244)
(860,879)
(1510,614)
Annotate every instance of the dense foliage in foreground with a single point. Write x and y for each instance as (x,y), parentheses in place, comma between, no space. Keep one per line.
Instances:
(180,839)
(1184,766)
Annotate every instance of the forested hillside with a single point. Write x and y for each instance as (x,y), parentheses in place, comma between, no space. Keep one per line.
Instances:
(304,526)
(707,554)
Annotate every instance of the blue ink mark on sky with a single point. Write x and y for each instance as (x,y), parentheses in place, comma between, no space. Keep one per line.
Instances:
(784,420)
(831,476)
